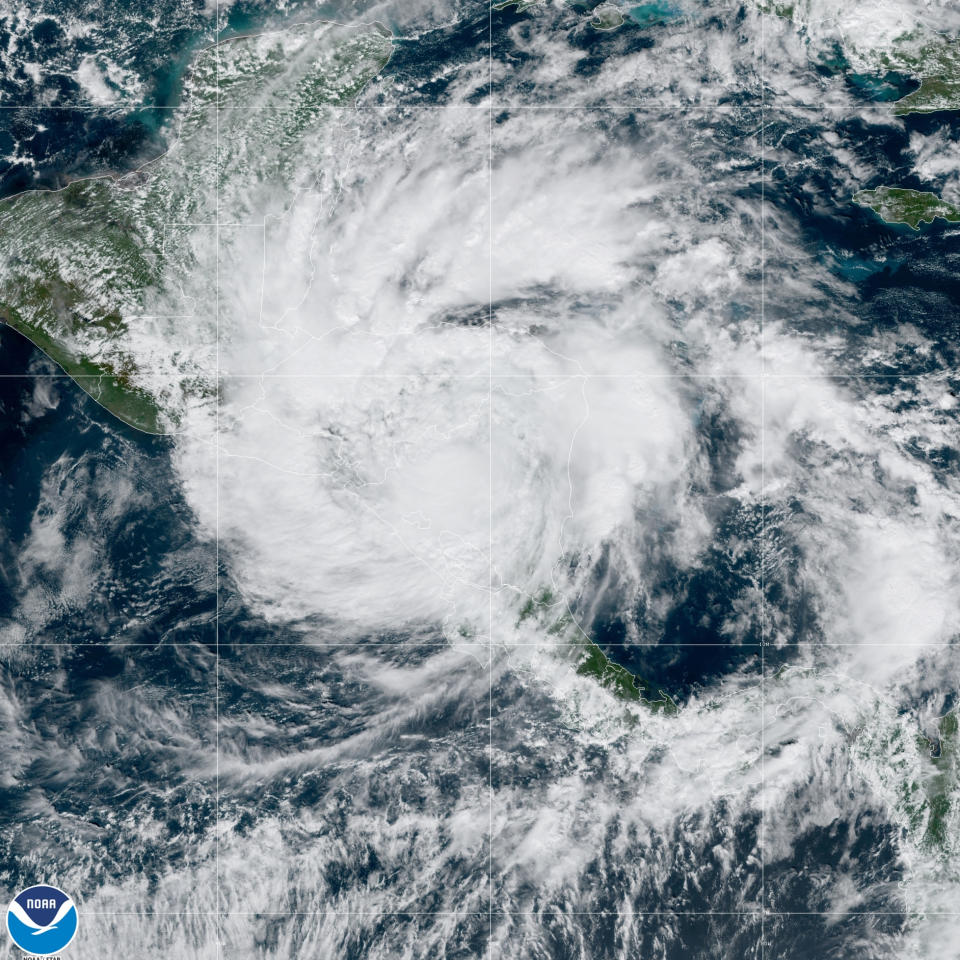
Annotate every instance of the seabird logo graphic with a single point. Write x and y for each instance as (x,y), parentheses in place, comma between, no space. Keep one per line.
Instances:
(42,920)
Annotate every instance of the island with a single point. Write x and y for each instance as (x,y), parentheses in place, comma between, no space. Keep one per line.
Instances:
(910,207)
(941,785)
(607,17)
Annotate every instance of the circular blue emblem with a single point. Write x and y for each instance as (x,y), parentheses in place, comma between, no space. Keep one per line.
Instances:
(42,920)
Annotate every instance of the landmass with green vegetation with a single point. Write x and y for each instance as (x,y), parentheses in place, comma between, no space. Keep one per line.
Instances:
(786,11)
(606,17)
(518,5)
(911,207)
(929,57)
(590,659)
(940,785)
(918,774)
(116,277)
(936,65)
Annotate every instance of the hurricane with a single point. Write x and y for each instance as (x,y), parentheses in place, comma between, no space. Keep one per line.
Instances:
(481,481)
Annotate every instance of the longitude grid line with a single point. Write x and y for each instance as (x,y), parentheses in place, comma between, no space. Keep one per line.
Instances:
(763,509)
(216,581)
(490,476)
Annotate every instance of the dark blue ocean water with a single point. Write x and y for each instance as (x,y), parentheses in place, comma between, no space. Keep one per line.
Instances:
(110,492)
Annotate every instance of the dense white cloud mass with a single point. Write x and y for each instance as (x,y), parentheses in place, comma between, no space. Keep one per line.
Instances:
(467,275)
(480,357)
(872,32)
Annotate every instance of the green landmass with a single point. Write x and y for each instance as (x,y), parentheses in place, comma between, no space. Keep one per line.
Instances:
(941,783)
(936,65)
(931,58)
(934,94)
(911,207)
(537,605)
(519,5)
(115,277)
(607,17)
(620,681)
(592,661)
(784,10)
(924,774)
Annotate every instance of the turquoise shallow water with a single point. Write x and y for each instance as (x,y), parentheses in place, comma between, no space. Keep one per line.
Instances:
(883,87)
(649,14)
(860,268)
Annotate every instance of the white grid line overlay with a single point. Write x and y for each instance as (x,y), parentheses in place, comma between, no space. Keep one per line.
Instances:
(763,509)
(306,646)
(213,914)
(507,377)
(517,913)
(762,912)
(490,942)
(216,572)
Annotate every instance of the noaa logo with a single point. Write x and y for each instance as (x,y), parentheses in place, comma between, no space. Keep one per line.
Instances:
(42,920)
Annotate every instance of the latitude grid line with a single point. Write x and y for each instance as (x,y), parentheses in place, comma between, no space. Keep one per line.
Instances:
(497,376)
(523,913)
(478,377)
(601,109)
(445,644)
